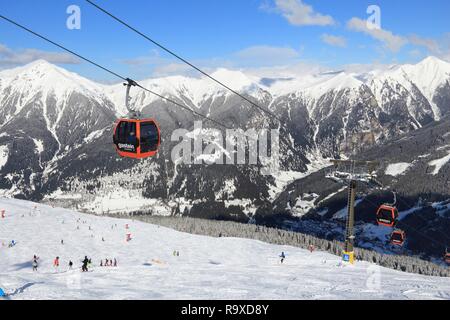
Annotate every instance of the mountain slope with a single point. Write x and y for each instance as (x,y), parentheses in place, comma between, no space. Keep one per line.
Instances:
(416,166)
(207,268)
(56,128)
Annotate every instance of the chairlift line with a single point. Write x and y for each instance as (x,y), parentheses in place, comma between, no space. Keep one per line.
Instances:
(387,214)
(183,60)
(62,47)
(412,228)
(261,109)
(146,134)
(113,73)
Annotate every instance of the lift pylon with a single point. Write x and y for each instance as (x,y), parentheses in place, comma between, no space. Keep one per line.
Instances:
(351,172)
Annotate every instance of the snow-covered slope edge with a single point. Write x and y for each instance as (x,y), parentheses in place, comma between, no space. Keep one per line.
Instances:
(207,268)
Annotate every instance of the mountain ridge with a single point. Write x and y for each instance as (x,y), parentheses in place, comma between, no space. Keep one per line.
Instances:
(56,146)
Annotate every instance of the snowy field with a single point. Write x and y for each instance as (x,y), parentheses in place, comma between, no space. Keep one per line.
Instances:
(207,268)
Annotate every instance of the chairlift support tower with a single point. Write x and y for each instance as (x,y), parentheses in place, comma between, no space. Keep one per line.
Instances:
(351,172)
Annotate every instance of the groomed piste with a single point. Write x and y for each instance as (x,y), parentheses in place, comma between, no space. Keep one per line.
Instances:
(160,263)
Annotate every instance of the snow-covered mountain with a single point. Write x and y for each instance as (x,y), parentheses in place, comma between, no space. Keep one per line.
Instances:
(56,128)
(206,268)
(415,165)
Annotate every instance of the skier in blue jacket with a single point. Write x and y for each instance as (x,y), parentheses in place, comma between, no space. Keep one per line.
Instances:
(282,256)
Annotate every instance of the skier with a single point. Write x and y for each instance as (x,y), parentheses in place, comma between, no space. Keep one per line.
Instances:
(84,267)
(35,263)
(282,256)
(56,263)
(115,262)
(70,264)
(4,295)
(101,263)
(62,241)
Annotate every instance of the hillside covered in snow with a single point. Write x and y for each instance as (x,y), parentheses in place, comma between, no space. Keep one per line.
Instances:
(206,267)
(56,147)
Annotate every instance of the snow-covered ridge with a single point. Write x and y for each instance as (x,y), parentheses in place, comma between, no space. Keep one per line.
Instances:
(427,76)
(41,75)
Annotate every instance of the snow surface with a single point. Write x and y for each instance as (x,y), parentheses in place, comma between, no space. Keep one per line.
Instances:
(439,163)
(397,169)
(207,268)
(39,145)
(94,135)
(4,152)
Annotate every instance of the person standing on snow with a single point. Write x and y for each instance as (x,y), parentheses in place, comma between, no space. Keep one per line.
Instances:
(70,264)
(84,267)
(56,263)
(282,256)
(35,263)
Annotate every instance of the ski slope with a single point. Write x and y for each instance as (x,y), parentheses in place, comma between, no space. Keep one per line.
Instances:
(207,268)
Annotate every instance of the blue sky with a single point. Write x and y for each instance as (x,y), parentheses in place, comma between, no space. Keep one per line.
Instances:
(258,35)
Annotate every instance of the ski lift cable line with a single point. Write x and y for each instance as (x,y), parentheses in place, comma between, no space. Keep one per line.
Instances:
(398,197)
(404,223)
(184,61)
(410,208)
(411,227)
(112,72)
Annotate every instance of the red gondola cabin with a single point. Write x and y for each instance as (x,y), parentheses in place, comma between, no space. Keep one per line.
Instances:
(398,237)
(387,216)
(137,138)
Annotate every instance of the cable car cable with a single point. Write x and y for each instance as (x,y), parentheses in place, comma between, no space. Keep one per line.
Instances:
(396,198)
(112,72)
(62,47)
(409,226)
(183,60)
(261,109)
(407,205)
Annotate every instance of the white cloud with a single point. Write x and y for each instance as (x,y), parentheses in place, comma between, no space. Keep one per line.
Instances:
(335,41)
(299,13)
(172,69)
(396,42)
(391,41)
(260,56)
(153,58)
(265,55)
(431,44)
(10,57)
(294,70)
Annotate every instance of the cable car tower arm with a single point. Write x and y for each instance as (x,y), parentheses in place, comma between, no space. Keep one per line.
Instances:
(133,114)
